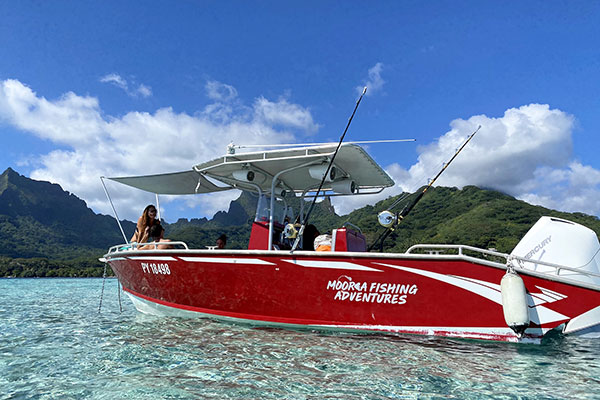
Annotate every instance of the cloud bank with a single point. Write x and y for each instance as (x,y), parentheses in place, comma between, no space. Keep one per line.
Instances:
(527,153)
(140,143)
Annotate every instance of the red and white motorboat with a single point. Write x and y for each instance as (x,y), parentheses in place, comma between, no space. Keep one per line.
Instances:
(551,280)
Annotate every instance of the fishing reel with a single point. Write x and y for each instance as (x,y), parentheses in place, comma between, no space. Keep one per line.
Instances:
(290,231)
(388,219)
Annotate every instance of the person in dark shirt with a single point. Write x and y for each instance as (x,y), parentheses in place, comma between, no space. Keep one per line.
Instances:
(222,242)
(308,239)
(155,234)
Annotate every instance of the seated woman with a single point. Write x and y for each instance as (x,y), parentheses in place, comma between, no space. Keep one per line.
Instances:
(145,222)
(155,234)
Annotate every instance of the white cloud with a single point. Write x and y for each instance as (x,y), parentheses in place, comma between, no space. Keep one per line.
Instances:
(504,154)
(70,119)
(118,81)
(282,113)
(220,91)
(139,143)
(374,82)
(144,91)
(527,153)
(226,105)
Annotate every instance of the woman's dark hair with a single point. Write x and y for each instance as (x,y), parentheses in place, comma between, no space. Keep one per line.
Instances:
(223,237)
(145,216)
(155,231)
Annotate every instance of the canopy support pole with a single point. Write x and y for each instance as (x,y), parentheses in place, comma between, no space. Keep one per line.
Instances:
(157,206)
(113,208)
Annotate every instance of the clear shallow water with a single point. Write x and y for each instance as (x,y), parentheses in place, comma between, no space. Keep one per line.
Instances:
(55,345)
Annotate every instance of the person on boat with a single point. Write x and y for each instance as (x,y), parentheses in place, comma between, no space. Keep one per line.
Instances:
(155,236)
(308,239)
(145,222)
(221,242)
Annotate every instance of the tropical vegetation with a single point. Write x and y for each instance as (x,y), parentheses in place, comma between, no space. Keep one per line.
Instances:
(47,232)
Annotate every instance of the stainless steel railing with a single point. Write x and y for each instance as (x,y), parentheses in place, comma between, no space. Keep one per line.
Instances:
(521,262)
(135,246)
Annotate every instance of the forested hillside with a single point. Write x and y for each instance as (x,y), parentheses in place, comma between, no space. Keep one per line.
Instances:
(39,219)
(471,216)
(45,231)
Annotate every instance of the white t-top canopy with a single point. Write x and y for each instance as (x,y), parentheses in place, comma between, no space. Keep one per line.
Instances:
(296,169)
(185,182)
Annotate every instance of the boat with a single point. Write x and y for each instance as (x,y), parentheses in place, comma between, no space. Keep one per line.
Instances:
(549,282)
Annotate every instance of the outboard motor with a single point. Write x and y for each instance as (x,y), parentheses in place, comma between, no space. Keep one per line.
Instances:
(561,242)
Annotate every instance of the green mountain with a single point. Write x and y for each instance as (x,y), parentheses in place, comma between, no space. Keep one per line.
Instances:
(470,216)
(45,231)
(42,225)
(39,219)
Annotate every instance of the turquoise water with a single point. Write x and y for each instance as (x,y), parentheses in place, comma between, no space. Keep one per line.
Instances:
(55,345)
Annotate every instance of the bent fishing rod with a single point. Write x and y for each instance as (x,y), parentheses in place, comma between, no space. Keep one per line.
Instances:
(389,220)
(312,205)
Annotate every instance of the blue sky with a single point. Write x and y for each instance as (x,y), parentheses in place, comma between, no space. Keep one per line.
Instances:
(125,88)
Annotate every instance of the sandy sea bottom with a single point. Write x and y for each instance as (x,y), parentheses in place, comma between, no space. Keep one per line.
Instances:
(55,345)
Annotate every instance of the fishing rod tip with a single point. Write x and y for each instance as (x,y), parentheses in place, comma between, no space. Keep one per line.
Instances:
(364,90)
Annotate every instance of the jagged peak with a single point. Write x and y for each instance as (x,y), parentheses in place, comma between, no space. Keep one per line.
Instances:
(13,177)
(9,170)
(9,173)
(21,181)
(8,176)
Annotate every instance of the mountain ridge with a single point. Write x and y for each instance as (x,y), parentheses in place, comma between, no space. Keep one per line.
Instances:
(41,221)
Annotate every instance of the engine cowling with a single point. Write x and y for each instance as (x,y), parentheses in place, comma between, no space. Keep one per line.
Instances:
(561,242)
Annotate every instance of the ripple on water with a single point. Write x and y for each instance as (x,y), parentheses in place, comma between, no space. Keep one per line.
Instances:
(54,344)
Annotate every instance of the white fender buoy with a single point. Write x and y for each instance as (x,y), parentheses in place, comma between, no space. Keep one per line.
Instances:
(514,302)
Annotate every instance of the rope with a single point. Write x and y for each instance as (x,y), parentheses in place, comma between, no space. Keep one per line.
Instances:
(102,292)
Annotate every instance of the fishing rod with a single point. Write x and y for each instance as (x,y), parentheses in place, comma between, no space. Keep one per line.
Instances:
(389,220)
(312,205)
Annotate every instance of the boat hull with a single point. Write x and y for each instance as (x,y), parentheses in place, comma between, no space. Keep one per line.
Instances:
(417,294)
